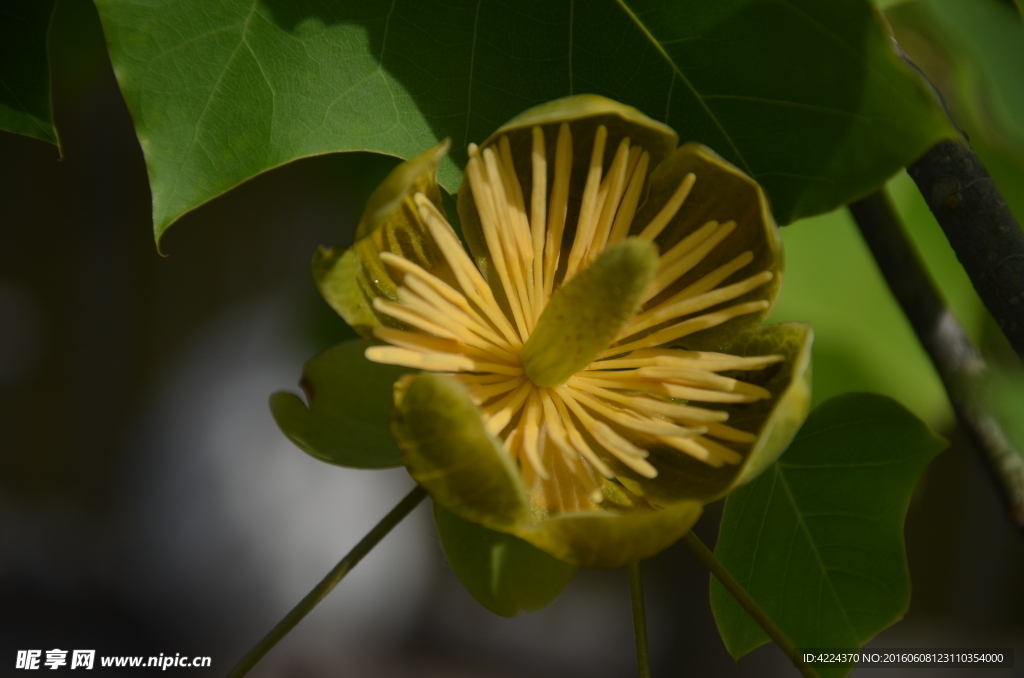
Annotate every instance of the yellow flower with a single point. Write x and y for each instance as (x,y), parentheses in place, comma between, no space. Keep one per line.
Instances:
(598,375)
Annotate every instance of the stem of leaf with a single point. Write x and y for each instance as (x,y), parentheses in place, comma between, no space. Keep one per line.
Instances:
(636,595)
(325,586)
(705,556)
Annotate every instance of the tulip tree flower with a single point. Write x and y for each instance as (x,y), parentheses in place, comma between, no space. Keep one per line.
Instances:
(592,369)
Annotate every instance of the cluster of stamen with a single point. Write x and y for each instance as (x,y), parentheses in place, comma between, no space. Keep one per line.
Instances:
(567,438)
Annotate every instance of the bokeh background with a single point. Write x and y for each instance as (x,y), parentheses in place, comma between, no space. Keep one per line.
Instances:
(149,505)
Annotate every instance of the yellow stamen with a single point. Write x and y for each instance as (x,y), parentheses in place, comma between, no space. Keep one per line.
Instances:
(668,212)
(564,438)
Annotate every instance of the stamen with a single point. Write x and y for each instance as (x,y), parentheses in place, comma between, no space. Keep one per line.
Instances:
(721,451)
(687,244)
(665,312)
(576,438)
(687,327)
(624,219)
(678,268)
(713,279)
(538,205)
(488,193)
(436,362)
(623,450)
(664,388)
(561,436)
(559,205)
(531,433)
(694,449)
(587,221)
(699,360)
(688,376)
(417,342)
(500,414)
(652,406)
(488,339)
(668,212)
(632,420)
(409,317)
(469,278)
(723,432)
(481,393)
(616,185)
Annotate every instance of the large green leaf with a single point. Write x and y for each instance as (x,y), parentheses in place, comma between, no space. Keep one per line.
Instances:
(817,540)
(25,69)
(347,421)
(805,96)
(503,573)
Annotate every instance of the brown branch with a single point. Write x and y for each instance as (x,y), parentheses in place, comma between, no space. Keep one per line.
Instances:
(957,360)
(979,225)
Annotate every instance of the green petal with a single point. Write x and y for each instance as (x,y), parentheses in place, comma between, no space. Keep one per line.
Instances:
(775,421)
(349,279)
(788,412)
(349,398)
(722,193)
(584,113)
(609,538)
(502,572)
(586,315)
(447,450)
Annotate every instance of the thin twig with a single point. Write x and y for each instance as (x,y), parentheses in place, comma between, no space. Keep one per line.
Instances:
(636,595)
(723,575)
(957,360)
(318,593)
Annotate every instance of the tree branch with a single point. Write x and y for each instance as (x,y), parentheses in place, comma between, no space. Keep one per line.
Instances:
(957,360)
(979,225)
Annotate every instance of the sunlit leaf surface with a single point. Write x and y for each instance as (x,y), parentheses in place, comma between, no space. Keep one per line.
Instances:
(806,97)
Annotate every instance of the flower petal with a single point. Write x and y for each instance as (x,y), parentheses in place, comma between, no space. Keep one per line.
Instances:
(349,404)
(349,279)
(611,538)
(448,451)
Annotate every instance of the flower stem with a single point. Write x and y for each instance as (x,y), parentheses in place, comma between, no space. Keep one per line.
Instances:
(325,586)
(705,556)
(636,595)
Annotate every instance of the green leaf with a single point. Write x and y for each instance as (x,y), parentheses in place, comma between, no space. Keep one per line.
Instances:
(503,573)
(25,69)
(347,420)
(817,540)
(807,97)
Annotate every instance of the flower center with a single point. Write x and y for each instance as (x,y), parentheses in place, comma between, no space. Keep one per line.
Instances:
(574,436)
